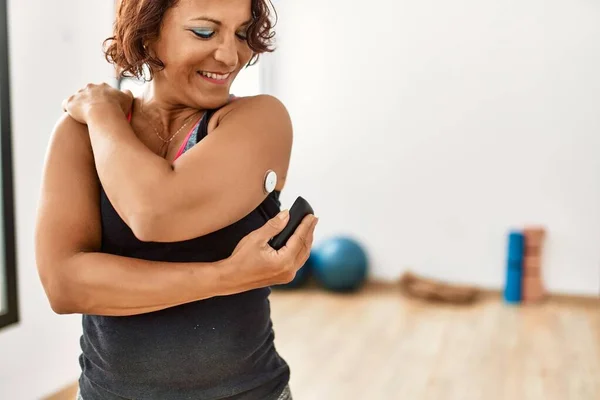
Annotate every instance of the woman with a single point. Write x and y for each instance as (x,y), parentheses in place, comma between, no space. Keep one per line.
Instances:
(154,222)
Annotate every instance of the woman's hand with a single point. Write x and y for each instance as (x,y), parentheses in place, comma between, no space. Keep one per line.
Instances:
(80,105)
(255,264)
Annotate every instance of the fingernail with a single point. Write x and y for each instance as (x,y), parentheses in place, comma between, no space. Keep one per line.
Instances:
(284,214)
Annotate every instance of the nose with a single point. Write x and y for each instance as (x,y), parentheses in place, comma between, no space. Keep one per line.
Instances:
(227,53)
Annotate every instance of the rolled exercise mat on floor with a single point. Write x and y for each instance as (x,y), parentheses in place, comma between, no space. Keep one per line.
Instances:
(436,291)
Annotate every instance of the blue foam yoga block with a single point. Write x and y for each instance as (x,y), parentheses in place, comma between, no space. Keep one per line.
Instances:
(514,264)
(512,287)
(516,246)
(515,251)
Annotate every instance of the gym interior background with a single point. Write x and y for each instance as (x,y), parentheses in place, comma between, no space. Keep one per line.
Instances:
(437,136)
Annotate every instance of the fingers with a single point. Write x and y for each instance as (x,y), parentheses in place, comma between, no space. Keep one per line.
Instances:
(296,252)
(65,103)
(307,244)
(127,102)
(103,91)
(300,242)
(273,226)
(300,236)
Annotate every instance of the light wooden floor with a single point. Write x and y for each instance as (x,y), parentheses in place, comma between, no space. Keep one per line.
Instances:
(378,345)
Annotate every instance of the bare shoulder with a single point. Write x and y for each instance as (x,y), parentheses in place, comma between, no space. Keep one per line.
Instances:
(258,111)
(65,122)
(257,102)
(69,146)
(70,133)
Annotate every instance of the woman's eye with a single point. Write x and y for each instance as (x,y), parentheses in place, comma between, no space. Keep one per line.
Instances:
(203,33)
(243,34)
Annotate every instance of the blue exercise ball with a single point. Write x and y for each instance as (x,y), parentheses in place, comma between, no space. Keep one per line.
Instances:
(340,264)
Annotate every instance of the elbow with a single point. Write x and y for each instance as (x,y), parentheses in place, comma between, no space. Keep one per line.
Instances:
(58,289)
(153,223)
(61,307)
(143,218)
(58,295)
(144,226)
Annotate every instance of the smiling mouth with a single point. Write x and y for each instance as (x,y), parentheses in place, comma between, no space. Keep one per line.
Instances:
(215,77)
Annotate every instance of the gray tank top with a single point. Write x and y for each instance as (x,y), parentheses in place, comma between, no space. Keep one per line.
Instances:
(219,348)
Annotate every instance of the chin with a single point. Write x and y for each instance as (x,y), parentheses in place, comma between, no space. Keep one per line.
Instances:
(212,93)
(214,101)
(209,99)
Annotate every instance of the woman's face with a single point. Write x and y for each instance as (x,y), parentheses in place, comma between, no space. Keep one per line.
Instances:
(203,46)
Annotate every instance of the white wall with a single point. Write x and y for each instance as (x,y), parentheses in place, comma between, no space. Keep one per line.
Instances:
(428,129)
(55,49)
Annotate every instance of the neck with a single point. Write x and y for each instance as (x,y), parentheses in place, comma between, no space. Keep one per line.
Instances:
(166,114)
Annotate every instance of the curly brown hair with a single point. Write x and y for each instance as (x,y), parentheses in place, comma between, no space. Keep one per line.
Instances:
(139,21)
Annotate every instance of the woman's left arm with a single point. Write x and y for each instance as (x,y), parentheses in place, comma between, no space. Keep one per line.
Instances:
(216,183)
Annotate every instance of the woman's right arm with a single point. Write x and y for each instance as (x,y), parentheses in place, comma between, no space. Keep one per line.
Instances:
(77,278)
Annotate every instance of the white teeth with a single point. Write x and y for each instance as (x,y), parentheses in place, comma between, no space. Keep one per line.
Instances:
(215,76)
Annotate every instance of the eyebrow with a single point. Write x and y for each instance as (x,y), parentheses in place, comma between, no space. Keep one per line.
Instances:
(215,21)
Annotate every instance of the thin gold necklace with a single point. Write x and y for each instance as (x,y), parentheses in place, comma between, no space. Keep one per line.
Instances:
(188,119)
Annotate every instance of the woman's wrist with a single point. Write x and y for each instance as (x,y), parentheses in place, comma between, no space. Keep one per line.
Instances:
(227,278)
(103,111)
